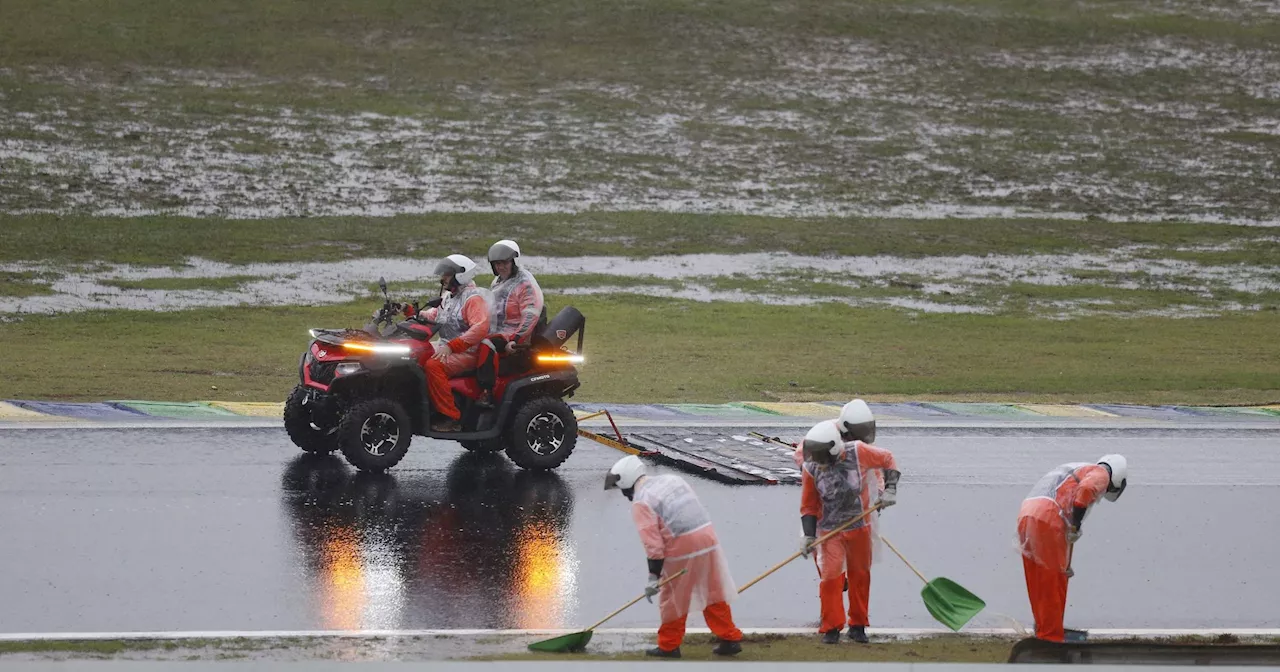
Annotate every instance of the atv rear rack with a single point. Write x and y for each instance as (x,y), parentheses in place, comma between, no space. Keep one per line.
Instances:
(619,443)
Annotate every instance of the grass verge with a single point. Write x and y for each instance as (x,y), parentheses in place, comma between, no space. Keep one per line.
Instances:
(113,647)
(762,648)
(644,349)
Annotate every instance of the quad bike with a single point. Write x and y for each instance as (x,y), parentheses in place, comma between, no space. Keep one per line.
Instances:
(364,392)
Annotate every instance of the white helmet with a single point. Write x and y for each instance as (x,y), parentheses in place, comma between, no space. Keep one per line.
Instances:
(624,474)
(504,250)
(823,443)
(856,420)
(462,267)
(1119,468)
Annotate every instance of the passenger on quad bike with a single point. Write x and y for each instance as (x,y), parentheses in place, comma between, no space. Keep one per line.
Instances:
(462,322)
(517,298)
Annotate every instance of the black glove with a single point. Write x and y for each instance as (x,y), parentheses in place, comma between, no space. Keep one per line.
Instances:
(499,343)
(434,303)
(655,566)
(809,525)
(1077,516)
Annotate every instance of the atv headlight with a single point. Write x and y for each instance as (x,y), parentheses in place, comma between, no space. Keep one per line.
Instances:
(379,348)
(348,368)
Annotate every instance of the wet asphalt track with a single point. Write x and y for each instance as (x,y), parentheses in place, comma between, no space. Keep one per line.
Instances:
(232,529)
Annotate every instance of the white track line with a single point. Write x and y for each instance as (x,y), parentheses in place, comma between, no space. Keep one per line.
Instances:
(350,634)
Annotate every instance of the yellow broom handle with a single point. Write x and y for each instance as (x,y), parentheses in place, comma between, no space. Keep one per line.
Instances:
(895,552)
(817,541)
(624,607)
(588,417)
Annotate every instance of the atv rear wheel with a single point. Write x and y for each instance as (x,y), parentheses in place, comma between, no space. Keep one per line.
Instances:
(302,431)
(542,434)
(483,445)
(374,435)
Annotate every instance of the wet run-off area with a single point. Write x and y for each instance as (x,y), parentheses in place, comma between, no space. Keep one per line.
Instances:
(955,283)
(233,529)
(1118,110)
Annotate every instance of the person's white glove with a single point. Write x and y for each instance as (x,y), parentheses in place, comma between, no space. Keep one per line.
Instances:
(888,498)
(651,588)
(1073,535)
(806,546)
(511,346)
(442,351)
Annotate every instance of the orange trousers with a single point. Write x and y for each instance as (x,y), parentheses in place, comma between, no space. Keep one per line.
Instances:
(1046,574)
(438,373)
(719,618)
(846,555)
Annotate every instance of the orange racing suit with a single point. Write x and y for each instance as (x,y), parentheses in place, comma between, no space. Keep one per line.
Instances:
(463,322)
(835,494)
(1043,522)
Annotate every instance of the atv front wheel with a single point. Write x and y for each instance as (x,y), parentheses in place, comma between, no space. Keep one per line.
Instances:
(542,434)
(302,431)
(374,435)
(483,445)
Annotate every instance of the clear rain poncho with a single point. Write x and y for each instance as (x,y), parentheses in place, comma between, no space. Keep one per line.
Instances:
(674,526)
(517,305)
(851,486)
(1046,511)
(449,316)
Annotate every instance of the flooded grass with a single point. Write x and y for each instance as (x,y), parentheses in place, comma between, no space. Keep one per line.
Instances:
(906,109)
(1128,280)
(24,283)
(642,349)
(183,284)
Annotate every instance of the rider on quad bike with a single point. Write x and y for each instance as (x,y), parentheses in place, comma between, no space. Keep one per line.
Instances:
(365,391)
(462,321)
(517,298)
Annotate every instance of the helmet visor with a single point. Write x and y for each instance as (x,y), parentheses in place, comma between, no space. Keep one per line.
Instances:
(611,480)
(819,451)
(447,266)
(1113,493)
(502,252)
(862,431)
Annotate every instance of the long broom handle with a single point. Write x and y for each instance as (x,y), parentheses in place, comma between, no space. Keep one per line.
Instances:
(624,607)
(774,439)
(904,559)
(817,541)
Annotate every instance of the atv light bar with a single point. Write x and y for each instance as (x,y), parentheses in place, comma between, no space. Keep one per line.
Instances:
(379,348)
(571,359)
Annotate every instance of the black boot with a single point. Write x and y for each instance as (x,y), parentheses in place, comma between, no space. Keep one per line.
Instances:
(727,648)
(858,633)
(831,637)
(657,652)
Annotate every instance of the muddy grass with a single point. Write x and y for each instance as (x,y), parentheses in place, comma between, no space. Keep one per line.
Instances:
(908,109)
